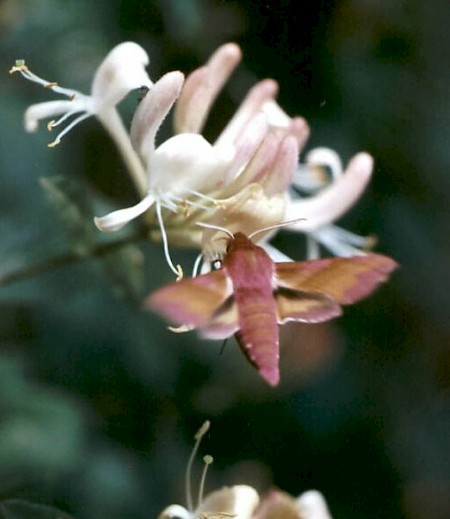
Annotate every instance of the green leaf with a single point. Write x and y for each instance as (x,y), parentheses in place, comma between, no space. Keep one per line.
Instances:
(124,271)
(70,199)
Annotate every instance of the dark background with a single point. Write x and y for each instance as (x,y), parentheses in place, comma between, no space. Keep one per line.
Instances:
(99,402)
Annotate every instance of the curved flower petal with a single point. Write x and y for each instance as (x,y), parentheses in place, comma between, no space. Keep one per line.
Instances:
(186,163)
(334,200)
(252,104)
(278,118)
(36,112)
(202,87)
(117,219)
(152,111)
(121,71)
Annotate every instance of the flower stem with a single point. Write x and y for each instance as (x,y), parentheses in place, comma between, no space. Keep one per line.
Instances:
(69,258)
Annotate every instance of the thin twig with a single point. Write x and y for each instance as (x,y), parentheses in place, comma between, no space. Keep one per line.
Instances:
(69,258)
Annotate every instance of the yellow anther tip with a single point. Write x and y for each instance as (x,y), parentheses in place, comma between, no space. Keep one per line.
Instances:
(180,273)
(53,144)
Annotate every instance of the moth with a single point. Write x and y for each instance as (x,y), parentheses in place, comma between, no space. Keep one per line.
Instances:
(249,295)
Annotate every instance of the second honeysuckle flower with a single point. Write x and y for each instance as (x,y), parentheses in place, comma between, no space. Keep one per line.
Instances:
(331,199)
(243,501)
(122,70)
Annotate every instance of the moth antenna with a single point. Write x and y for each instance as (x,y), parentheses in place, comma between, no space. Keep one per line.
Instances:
(275,226)
(216,227)
(207,460)
(198,438)
(178,271)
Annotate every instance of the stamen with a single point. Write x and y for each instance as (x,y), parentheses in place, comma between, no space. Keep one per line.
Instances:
(21,67)
(178,271)
(54,123)
(208,460)
(186,202)
(67,128)
(198,437)
(197,263)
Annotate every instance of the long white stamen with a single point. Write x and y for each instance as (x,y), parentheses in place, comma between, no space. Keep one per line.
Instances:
(68,128)
(178,271)
(31,76)
(208,460)
(67,115)
(205,197)
(352,238)
(197,264)
(189,202)
(198,437)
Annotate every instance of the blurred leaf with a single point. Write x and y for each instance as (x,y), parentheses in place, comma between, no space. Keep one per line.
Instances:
(39,427)
(69,198)
(18,509)
(124,270)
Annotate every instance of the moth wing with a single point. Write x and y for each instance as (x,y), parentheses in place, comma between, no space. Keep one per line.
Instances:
(224,322)
(191,302)
(306,307)
(343,280)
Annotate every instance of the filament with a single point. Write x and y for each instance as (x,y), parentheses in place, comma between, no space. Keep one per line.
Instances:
(178,271)
(208,460)
(198,437)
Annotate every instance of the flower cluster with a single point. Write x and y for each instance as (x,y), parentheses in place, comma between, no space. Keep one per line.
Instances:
(247,179)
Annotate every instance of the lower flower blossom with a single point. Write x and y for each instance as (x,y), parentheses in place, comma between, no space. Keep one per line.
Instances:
(243,501)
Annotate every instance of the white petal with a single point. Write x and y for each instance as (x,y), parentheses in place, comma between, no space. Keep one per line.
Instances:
(50,109)
(240,500)
(275,254)
(275,114)
(121,71)
(250,106)
(335,200)
(202,87)
(175,511)
(117,219)
(313,505)
(246,145)
(325,157)
(187,162)
(152,111)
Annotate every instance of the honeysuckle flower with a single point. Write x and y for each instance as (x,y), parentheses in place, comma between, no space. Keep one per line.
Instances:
(243,501)
(194,180)
(330,201)
(245,180)
(121,71)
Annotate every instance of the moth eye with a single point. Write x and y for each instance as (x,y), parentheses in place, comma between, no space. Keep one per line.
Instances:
(142,92)
(216,264)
